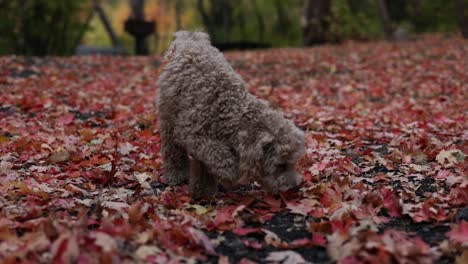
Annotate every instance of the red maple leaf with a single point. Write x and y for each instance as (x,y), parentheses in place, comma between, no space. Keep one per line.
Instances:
(459,233)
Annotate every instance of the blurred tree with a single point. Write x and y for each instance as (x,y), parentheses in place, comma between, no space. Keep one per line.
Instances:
(316,27)
(385,18)
(279,23)
(425,15)
(462,14)
(400,10)
(368,19)
(138,27)
(251,23)
(220,12)
(41,27)
(178,13)
(355,19)
(107,25)
(241,17)
(260,21)
(283,22)
(137,7)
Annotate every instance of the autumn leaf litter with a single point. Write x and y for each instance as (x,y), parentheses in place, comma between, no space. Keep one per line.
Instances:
(385,171)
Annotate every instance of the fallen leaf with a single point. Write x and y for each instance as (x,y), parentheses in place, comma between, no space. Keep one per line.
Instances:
(272,239)
(105,241)
(459,233)
(126,148)
(198,209)
(65,249)
(60,156)
(242,231)
(202,240)
(285,257)
(463,258)
(144,251)
(448,158)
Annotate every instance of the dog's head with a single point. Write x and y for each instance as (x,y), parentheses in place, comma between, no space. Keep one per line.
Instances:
(186,40)
(271,157)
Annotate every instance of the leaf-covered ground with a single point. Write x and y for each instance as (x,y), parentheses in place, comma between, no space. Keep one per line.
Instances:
(385,171)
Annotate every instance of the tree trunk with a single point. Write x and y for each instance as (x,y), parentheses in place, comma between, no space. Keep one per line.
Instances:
(283,21)
(462,13)
(242,25)
(316,22)
(82,31)
(218,20)
(178,11)
(138,14)
(386,21)
(205,17)
(137,7)
(415,8)
(106,23)
(226,17)
(260,21)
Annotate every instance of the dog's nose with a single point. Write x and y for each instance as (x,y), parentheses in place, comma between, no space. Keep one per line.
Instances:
(296,183)
(293,183)
(294,189)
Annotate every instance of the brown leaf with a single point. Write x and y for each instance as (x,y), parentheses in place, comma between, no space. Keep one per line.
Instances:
(59,157)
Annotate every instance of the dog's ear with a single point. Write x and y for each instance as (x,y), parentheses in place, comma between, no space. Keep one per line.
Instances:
(195,36)
(200,35)
(251,151)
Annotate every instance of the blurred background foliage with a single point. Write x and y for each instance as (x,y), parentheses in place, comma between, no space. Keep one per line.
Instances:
(40,27)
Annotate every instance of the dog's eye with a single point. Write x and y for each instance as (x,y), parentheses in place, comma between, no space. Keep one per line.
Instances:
(282,167)
(268,148)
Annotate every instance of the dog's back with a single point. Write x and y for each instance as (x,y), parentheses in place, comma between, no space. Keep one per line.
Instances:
(198,85)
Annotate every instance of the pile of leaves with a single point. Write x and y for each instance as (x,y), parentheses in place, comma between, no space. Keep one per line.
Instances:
(385,176)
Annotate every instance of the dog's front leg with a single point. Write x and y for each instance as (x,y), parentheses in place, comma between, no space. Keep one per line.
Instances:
(218,158)
(176,160)
(201,184)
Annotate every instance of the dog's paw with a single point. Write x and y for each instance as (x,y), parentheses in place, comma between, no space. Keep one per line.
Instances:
(228,184)
(206,192)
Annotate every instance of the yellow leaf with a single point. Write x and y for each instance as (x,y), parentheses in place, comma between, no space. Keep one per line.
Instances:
(4,140)
(198,209)
(450,157)
(24,189)
(463,258)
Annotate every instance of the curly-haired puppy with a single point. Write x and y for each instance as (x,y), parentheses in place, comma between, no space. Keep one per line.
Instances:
(213,130)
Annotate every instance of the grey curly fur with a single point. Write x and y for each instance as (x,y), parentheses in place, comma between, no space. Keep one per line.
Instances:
(206,113)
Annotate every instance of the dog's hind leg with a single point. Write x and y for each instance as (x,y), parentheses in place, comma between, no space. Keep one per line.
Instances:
(176,160)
